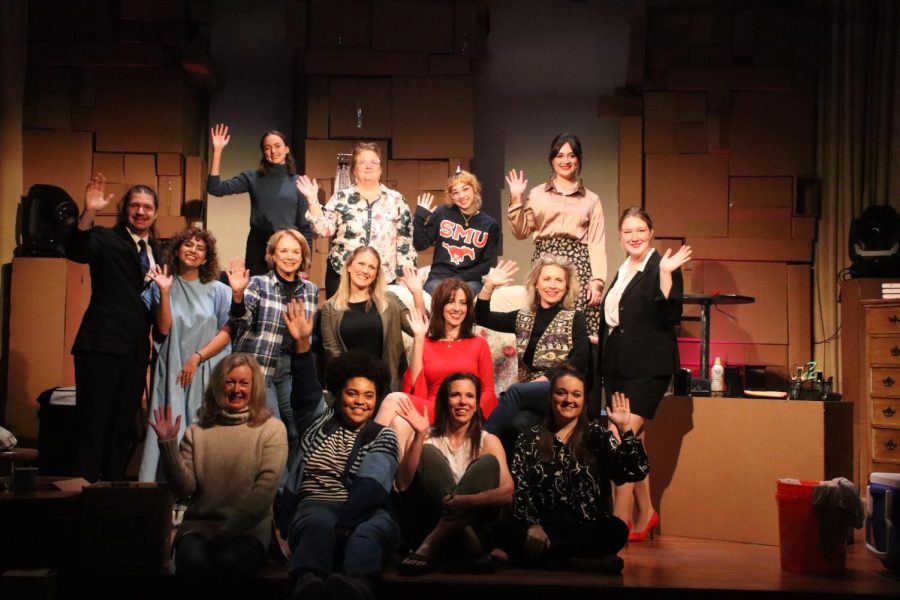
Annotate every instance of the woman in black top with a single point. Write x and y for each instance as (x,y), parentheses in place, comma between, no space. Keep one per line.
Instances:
(562,505)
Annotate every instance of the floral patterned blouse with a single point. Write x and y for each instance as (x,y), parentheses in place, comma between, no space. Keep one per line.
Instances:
(385,224)
(565,485)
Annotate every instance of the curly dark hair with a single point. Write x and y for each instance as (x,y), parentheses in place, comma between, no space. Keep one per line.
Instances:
(358,364)
(442,411)
(209,270)
(442,295)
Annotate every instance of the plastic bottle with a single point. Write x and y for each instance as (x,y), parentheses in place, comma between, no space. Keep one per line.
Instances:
(717,379)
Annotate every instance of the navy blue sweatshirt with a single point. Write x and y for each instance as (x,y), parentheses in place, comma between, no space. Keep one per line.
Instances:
(461,250)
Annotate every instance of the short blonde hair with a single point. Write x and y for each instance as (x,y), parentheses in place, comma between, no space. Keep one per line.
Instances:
(551,260)
(465,178)
(306,257)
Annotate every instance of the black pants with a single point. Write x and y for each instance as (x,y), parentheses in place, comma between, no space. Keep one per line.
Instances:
(109,388)
(202,567)
(332,281)
(255,256)
(569,537)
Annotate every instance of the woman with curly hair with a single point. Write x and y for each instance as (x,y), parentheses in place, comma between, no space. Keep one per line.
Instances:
(191,332)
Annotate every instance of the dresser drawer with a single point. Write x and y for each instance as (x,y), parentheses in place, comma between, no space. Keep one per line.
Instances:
(884,382)
(880,467)
(884,351)
(885,445)
(886,412)
(883,319)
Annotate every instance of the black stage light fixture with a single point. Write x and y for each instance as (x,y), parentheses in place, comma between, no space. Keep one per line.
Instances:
(44,216)
(875,243)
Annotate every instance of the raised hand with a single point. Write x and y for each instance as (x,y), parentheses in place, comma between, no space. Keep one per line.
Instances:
(406,410)
(619,412)
(410,280)
(220,137)
(309,188)
(238,275)
(95,198)
(426,201)
(517,184)
(669,262)
(502,274)
(162,423)
(299,324)
(417,322)
(161,277)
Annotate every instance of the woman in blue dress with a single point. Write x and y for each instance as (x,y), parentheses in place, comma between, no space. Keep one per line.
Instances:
(191,332)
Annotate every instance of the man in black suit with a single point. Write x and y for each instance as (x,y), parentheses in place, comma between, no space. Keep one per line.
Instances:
(112,346)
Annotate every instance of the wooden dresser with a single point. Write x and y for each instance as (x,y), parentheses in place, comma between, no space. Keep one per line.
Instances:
(880,362)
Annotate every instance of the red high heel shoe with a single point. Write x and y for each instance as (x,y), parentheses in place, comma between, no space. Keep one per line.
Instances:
(640,536)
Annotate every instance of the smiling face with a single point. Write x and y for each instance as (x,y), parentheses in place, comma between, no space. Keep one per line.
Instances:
(287,257)
(357,402)
(565,163)
(274,149)
(462,402)
(363,269)
(141,213)
(238,386)
(635,235)
(567,396)
(191,254)
(367,168)
(455,310)
(463,196)
(551,285)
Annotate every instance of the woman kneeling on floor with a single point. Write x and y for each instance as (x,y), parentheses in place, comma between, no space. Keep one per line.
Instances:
(562,506)
(461,478)
(332,504)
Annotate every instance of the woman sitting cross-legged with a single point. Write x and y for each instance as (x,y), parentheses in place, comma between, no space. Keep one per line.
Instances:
(333,499)
(461,477)
(229,463)
(562,506)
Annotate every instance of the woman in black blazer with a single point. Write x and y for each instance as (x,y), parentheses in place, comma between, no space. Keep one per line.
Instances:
(639,351)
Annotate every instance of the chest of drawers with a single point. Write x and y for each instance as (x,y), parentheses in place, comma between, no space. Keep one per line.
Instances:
(880,370)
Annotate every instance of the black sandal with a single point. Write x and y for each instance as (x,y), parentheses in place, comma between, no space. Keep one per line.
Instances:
(415,564)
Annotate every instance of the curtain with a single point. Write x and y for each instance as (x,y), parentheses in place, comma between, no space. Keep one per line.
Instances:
(856,108)
(13,25)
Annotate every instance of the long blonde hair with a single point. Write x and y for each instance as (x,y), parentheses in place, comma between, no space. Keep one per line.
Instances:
(214,395)
(377,289)
(551,260)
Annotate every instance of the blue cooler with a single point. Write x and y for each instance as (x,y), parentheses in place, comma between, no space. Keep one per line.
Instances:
(883,519)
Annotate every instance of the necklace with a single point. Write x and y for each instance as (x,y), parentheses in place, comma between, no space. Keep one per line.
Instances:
(466,217)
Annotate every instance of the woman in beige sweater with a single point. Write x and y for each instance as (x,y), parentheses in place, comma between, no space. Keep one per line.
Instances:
(229,463)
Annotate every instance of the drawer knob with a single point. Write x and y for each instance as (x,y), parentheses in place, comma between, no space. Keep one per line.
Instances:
(888,382)
(890,445)
(895,351)
(888,411)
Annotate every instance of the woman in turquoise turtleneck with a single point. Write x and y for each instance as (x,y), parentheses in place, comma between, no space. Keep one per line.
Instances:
(275,203)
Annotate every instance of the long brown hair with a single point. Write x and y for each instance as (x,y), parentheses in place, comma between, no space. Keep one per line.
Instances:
(214,396)
(577,443)
(265,167)
(442,411)
(209,270)
(122,216)
(441,296)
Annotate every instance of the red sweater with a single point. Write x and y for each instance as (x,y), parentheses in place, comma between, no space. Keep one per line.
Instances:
(440,359)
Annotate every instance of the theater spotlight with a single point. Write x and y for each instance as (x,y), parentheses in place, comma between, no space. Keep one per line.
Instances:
(875,243)
(44,216)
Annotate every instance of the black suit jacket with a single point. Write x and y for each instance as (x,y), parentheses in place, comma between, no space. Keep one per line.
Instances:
(116,320)
(644,344)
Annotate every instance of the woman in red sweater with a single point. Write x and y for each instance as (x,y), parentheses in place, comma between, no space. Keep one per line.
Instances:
(447,344)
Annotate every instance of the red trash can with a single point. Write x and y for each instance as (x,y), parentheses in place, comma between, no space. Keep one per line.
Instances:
(798,528)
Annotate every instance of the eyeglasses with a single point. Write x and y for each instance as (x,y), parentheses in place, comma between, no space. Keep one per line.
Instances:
(368,163)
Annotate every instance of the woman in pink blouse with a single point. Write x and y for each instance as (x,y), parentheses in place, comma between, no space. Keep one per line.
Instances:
(447,344)
(565,219)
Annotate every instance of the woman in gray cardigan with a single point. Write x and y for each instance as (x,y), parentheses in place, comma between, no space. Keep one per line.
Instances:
(363,316)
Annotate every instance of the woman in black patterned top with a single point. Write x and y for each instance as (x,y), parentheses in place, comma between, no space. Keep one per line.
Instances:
(562,506)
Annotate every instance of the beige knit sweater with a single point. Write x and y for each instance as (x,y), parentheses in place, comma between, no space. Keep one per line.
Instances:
(231,472)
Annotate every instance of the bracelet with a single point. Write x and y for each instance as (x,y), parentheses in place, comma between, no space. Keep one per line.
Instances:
(202,359)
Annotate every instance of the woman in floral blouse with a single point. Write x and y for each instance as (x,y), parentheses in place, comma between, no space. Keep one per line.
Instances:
(365,214)
(562,505)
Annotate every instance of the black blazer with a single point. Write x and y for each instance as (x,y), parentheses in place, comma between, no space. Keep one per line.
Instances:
(116,320)
(644,344)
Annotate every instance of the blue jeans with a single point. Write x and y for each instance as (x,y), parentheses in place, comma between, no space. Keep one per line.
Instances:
(278,395)
(431,284)
(316,547)
(521,407)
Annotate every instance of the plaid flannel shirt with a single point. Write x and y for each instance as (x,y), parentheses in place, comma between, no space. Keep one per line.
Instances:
(260,331)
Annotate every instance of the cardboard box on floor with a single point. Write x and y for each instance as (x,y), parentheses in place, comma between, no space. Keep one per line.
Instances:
(125,526)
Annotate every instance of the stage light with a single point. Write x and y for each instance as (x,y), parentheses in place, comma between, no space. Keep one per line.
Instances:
(875,243)
(44,216)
